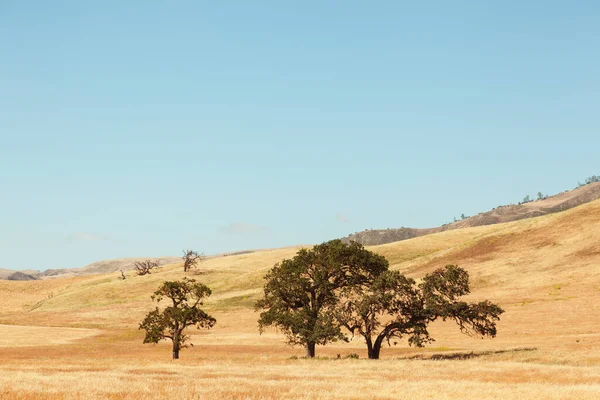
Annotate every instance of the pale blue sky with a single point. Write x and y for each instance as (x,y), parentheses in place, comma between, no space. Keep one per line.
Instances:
(133,129)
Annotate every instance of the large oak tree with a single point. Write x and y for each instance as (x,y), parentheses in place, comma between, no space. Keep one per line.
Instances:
(301,294)
(394,306)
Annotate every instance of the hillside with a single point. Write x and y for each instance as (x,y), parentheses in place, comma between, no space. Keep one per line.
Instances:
(20,276)
(99,267)
(77,336)
(5,273)
(514,212)
(512,262)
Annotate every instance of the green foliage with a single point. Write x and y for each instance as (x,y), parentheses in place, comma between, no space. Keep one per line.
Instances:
(391,297)
(312,296)
(394,306)
(301,294)
(186,297)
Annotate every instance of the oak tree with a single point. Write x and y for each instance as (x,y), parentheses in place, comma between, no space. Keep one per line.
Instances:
(301,294)
(394,306)
(184,311)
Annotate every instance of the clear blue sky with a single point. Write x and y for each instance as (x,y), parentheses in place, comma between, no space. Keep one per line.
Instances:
(135,128)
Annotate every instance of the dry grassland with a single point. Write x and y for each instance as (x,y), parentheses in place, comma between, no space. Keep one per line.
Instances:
(76,338)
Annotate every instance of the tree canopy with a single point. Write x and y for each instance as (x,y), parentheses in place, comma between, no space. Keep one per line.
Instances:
(186,297)
(301,294)
(395,306)
(334,285)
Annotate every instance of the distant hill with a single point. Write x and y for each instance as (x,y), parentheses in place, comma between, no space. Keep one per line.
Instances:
(560,202)
(100,267)
(5,273)
(543,272)
(20,276)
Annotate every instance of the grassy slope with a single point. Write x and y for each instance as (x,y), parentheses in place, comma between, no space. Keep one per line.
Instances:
(545,259)
(543,271)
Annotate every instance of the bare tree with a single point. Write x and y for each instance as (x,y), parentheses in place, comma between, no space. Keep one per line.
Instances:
(191,259)
(146,267)
(122,277)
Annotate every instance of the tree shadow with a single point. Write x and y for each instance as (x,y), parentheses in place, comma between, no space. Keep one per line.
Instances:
(468,356)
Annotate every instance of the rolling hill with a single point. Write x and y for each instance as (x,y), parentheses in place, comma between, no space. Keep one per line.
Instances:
(514,212)
(99,267)
(77,336)
(520,261)
(5,273)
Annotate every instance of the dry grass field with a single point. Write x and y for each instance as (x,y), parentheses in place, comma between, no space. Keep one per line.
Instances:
(77,338)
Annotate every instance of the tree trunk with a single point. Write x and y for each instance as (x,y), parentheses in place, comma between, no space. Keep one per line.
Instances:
(369,346)
(374,352)
(176,346)
(374,348)
(310,349)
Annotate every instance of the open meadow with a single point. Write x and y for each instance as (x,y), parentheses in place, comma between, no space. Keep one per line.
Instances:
(77,338)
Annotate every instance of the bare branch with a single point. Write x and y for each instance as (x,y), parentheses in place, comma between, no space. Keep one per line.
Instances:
(146,267)
(191,259)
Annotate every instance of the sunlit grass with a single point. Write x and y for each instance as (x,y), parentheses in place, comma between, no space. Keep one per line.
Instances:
(544,272)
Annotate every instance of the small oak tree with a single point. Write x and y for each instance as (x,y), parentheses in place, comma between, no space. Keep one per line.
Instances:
(186,297)
(146,267)
(394,306)
(301,294)
(191,259)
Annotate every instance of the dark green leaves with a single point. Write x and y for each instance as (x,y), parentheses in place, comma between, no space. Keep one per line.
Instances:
(154,324)
(312,296)
(186,296)
(301,294)
(441,290)
(394,306)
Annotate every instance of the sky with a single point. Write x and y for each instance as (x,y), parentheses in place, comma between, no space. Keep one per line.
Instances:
(137,128)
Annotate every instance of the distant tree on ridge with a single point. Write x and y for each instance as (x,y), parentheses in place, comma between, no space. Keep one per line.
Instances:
(191,259)
(145,267)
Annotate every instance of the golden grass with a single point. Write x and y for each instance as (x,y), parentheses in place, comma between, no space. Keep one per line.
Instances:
(304,379)
(17,336)
(120,367)
(545,272)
